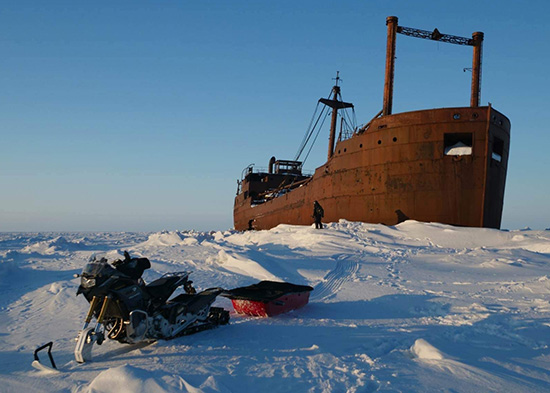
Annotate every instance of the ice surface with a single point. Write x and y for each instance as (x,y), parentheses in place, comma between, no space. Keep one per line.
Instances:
(415,307)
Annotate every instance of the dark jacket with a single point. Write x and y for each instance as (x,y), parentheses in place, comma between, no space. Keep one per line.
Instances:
(318,211)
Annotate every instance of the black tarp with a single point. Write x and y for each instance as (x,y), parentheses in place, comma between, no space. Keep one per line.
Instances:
(265,291)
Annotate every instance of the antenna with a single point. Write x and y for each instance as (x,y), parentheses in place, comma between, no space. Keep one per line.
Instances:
(337,79)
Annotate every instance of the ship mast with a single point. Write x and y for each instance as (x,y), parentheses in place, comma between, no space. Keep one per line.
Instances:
(335,94)
(335,104)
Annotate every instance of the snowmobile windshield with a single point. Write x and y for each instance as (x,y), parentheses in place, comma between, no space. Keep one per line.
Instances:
(96,268)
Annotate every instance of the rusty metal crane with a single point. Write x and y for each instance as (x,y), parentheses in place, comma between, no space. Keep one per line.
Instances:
(393,28)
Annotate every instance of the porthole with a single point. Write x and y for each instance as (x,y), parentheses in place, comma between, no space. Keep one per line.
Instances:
(379,142)
(475,115)
(456,116)
(360,146)
(500,122)
(345,150)
(395,139)
(338,151)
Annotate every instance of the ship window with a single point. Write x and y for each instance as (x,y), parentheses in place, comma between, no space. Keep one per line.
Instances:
(379,142)
(395,139)
(458,144)
(498,149)
(360,145)
(345,150)
(475,115)
(456,116)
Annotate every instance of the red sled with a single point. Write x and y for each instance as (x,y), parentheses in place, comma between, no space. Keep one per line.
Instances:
(268,298)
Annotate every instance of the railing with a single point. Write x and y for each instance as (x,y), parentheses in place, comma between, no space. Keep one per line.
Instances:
(275,193)
(254,169)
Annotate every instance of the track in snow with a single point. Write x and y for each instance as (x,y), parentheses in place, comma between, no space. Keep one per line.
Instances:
(345,269)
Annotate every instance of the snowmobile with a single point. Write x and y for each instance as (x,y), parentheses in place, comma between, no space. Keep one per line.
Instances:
(130,311)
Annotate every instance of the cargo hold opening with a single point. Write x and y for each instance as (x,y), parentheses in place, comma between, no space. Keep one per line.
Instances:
(458,144)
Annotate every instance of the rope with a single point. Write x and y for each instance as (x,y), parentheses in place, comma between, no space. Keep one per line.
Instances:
(349,122)
(310,134)
(313,143)
(301,146)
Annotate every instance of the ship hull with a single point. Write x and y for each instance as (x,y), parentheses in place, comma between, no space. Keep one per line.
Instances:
(398,169)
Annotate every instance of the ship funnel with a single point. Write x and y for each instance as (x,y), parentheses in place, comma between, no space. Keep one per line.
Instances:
(271,164)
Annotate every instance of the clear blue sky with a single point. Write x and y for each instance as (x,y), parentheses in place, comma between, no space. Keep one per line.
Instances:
(140,115)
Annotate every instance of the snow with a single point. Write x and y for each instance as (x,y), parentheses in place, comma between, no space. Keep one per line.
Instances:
(424,350)
(128,379)
(418,307)
(165,238)
(458,149)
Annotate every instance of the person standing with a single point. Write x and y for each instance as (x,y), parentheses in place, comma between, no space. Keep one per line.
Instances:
(318,214)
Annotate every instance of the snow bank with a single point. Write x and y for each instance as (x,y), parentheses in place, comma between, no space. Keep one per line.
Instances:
(241,265)
(542,247)
(163,239)
(128,379)
(422,349)
(52,246)
(173,238)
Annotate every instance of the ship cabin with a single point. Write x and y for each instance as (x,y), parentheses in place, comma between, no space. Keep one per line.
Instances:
(282,176)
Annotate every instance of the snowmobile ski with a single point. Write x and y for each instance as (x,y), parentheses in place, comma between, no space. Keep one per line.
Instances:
(42,367)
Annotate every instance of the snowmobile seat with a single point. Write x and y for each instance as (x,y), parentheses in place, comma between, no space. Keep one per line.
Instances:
(162,288)
(203,299)
(194,303)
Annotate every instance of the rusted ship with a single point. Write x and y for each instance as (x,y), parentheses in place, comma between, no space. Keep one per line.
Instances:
(444,165)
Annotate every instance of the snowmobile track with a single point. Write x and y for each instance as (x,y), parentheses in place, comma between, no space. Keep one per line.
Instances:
(345,269)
